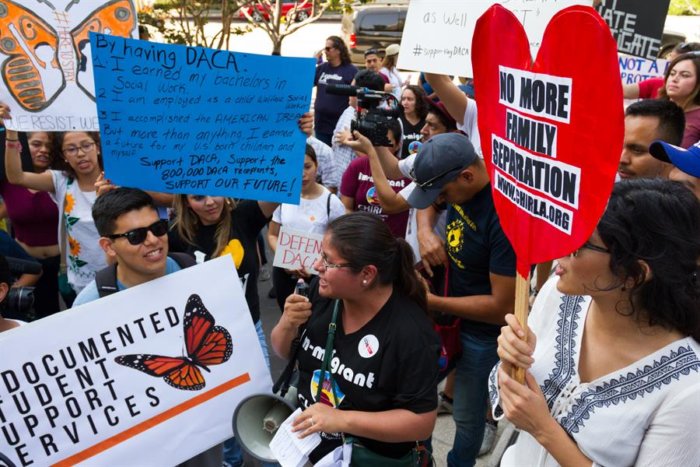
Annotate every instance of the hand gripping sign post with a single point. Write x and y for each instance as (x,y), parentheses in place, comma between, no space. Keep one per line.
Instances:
(551,131)
(147,376)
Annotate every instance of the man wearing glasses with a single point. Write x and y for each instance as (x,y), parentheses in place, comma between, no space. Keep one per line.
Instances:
(481,274)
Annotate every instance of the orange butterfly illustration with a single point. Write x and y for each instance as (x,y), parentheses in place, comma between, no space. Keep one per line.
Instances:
(206,343)
(41,60)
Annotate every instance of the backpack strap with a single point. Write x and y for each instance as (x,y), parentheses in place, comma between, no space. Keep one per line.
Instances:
(183,260)
(106,279)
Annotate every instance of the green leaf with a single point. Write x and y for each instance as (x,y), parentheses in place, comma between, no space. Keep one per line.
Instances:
(72,220)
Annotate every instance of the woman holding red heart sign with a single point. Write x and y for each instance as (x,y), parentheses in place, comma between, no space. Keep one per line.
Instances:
(615,376)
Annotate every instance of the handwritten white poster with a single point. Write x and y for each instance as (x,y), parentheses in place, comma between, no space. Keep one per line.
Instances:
(45,59)
(297,250)
(150,375)
(437,37)
(636,69)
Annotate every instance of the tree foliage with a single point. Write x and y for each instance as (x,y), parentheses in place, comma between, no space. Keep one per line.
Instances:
(684,7)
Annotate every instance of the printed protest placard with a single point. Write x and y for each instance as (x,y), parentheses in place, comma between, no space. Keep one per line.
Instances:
(636,69)
(551,158)
(437,37)
(147,376)
(47,63)
(192,120)
(637,26)
(297,249)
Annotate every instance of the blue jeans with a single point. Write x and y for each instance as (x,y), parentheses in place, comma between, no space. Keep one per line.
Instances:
(470,395)
(233,454)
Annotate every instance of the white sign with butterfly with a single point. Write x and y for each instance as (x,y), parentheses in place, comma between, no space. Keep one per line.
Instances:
(150,375)
(45,59)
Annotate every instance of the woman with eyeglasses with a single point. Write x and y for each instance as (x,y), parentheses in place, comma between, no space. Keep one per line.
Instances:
(682,86)
(381,386)
(74,191)
(612,357)
(649,88)
(34,218)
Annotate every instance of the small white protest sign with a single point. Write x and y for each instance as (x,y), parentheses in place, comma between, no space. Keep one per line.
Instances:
(150,375)
(636,69)
(437,37)
(297,250)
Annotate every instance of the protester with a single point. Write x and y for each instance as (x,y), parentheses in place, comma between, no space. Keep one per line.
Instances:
(413,113)
(316,209)
(646,121)
(629,293)
(372,63)
(481,271)
(336,70)
(342,154)
(683,88)
(34,218)
(391,57)
(649,88)
(686,163)
(135,239)
(74,191)
(385,352)
(359,193)
(5,283)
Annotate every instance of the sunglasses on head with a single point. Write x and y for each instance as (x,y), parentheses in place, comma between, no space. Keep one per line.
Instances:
(138,236)
(431,181)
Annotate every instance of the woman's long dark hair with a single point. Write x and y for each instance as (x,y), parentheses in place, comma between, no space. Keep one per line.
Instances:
(363,239)
(658,222)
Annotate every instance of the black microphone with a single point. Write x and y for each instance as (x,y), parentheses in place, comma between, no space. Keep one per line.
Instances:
(23,266)
(344,89)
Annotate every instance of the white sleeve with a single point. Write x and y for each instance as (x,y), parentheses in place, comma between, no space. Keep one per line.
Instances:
(672,437)
(470,125)
(406,166)
(337,208)
(277,215)
(324,156)
(342,154)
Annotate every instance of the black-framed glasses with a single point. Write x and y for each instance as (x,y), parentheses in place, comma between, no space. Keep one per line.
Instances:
(138,236)
(589,246)
(431,181)
(328,265)
(86,147)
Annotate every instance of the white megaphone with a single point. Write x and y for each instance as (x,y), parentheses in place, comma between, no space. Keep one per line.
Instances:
(257,418)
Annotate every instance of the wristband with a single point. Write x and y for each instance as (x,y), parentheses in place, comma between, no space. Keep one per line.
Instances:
(13,143)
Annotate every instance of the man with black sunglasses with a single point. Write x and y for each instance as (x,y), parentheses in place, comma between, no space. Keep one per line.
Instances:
(481,274)
(133,237)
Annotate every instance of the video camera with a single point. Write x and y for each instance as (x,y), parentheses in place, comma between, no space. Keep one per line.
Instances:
(375,110)
(19,300)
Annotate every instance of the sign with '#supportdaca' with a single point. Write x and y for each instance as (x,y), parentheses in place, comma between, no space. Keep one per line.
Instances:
(297,250)
(192,120)
(45,60)
(438,34)
(636,25)
(150,375)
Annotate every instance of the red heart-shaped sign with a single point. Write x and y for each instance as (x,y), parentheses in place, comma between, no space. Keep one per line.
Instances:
(551,131)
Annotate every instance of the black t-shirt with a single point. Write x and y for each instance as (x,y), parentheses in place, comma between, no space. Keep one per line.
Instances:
(476,246)
(390,363)
(411,133)
(246,222)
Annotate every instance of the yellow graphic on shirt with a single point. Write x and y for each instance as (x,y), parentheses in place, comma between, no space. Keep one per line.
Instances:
(74,246)
(69,204)
(235,249)
(455,240)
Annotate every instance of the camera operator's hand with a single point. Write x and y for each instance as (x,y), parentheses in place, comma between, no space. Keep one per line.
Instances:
(358,142)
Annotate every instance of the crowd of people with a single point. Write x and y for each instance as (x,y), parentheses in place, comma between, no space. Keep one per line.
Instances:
(611,353)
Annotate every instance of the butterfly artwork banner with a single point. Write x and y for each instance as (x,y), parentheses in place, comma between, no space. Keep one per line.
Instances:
(46,60)
(147,376)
